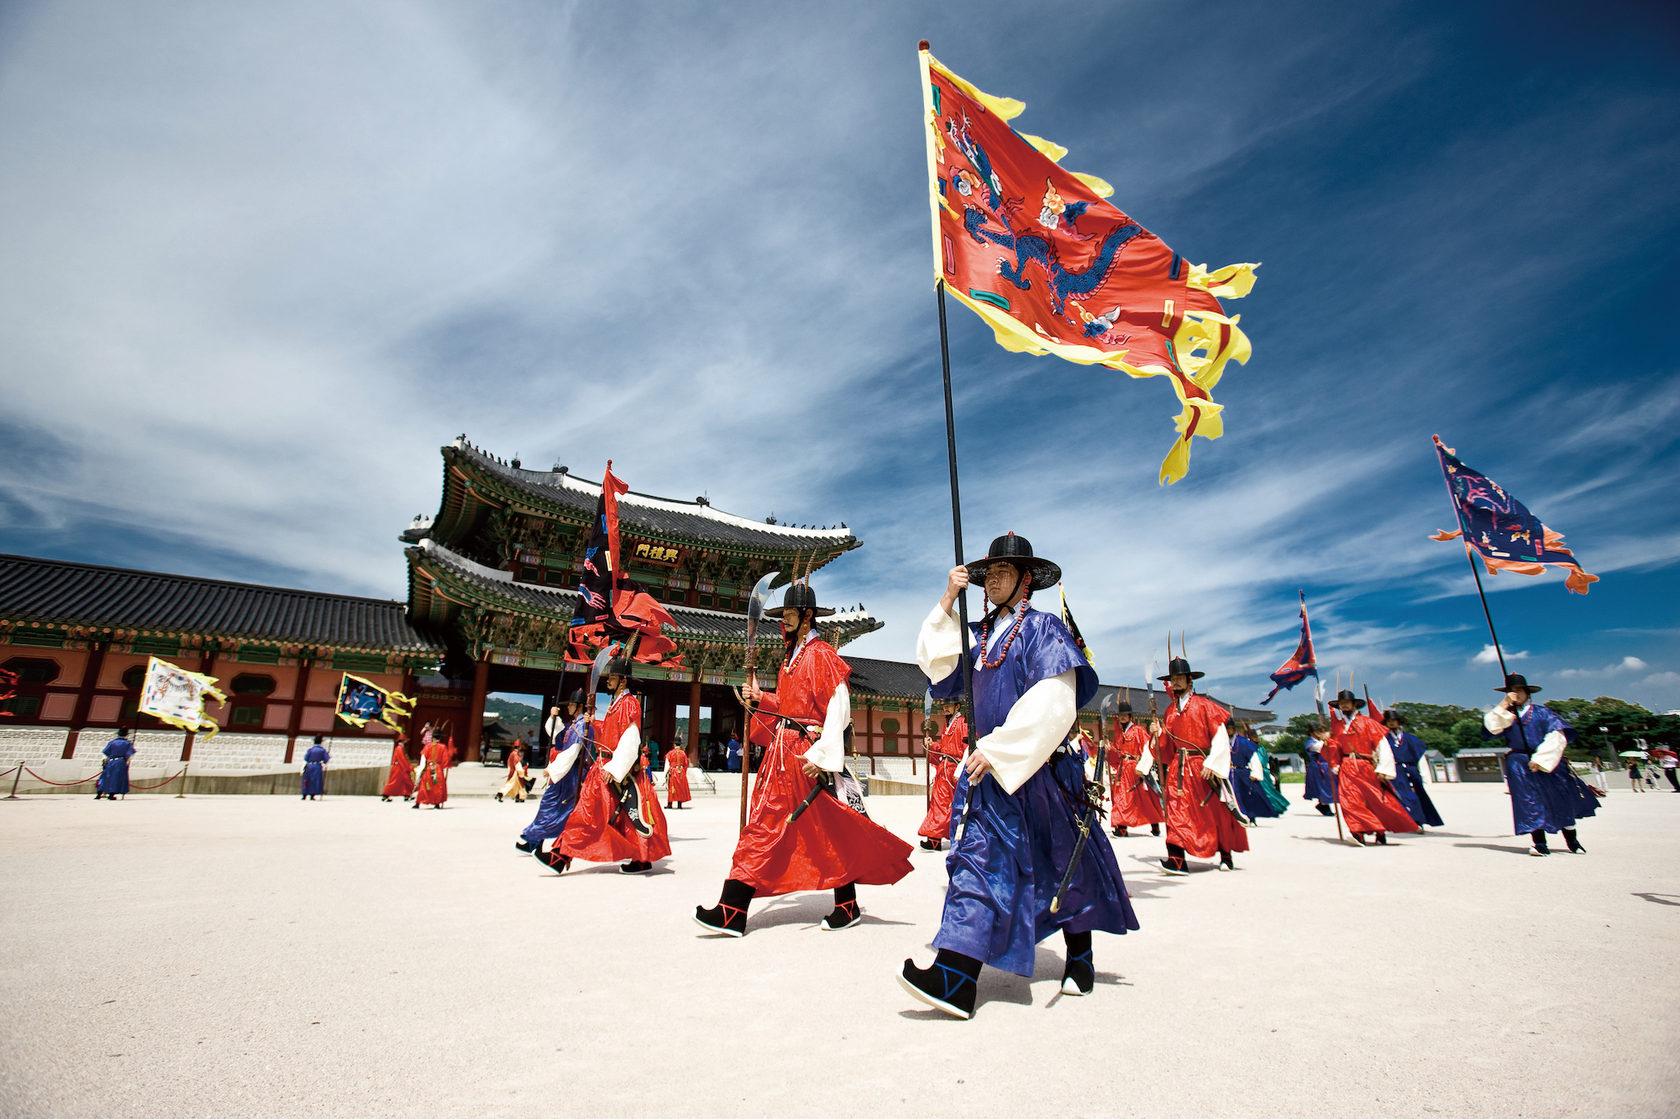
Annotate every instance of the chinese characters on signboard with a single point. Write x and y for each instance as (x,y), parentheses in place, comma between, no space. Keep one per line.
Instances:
(658,553)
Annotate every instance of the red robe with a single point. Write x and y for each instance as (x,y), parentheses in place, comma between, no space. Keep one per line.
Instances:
(829,845)
(435,758)
(1134,804)
(1368,804)
(1197,820)
(597,831)
(676,776)
(943,760)
(400,781)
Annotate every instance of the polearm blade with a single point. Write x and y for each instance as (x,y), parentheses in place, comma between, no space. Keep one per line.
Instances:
(756,604)
(1088,817)
(595,670)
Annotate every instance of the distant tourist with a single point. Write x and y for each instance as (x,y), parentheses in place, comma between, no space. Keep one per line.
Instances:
(568,736)
(676,778)
(314,770)
(113,774)
(1668,760)
(431,783)
(1546,796)
(400,781)
(1635,778)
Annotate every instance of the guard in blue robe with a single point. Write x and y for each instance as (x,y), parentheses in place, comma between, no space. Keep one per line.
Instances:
(1408,778)
(1013,826)
(1321,783)
(315,760)
(1249,789)
(1546,796)
(573,754)
(113,773)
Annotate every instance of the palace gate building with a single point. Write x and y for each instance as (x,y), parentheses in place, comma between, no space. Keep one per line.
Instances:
(491,581)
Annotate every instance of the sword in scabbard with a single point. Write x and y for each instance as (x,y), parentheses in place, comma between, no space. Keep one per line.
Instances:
(823,783)
(1092,809)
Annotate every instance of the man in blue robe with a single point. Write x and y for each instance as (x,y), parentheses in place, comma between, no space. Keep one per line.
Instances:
(315,760)
(569,741)
(1546,796)
(1321,783)
(1408,784)
(113,776)
(1248,779)
(1019,791)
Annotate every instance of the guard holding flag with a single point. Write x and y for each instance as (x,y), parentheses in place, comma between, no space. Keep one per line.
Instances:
(1358,753)
(1192,739)
(800,834)
(1017,835)
(1545,793)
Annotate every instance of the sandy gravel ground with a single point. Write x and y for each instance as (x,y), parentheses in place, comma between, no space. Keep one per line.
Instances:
(261,956)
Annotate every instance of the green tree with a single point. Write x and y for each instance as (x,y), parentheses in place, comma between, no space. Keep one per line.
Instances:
(1467,733)
(1293,740)
(1435,723)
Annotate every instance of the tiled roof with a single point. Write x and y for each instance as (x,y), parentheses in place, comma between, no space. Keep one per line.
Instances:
(658,517)
(85,595)
(692,622)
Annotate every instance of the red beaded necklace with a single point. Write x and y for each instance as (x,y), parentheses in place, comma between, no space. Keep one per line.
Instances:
(1021,609)
(799,649)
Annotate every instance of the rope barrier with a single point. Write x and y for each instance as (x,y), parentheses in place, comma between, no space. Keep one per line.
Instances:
(61,784)
(157,785)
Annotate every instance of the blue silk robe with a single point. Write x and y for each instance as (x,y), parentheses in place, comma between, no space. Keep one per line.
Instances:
(1321,783)
(1010,859)
(1251,794)
(314,772)
(113,778)
(561,796)
(1541,801)
(1408,781)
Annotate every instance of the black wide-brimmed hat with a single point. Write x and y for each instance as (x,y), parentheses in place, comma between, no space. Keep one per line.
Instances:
(1178,666)
(1393,716)
(1122,708)
(800,596)
(577,697)
(618,666)
(1347,693)
(1017,550)
(1515,680)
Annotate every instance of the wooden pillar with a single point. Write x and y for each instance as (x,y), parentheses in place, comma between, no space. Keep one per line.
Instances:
(475,716)
(693,746)
(84,697)
(910,720)
(295,722)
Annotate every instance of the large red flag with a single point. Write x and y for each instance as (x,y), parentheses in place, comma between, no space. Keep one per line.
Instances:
(610,607)
(1054,269)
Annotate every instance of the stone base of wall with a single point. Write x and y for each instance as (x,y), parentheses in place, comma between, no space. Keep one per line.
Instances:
(360,781)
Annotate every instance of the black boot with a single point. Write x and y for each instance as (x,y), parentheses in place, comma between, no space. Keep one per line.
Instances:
(1573,841)
(1538,835)
(521,845)
(729,915)
(1226,862)
(1155,829)
(1121,833)
(635,866)
(1175,863)
(553,859)
(949,985)
(1326,810)
(1078,977)
(845,913)
(1382,839)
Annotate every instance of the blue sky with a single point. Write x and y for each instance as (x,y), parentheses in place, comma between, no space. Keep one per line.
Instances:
(264,259)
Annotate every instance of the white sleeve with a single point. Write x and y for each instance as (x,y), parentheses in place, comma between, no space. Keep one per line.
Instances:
(1498,720)
(829,750)
(1219,754)
(1314,746)
(555,728)
(625,754)
(1146,760)
(1037,724)
(1385,760)
(1550,751)
(939,645)
(563,762)
(1254,768)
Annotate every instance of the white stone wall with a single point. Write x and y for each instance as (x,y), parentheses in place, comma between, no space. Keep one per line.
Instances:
(32,746)
(250,753)
(347,752)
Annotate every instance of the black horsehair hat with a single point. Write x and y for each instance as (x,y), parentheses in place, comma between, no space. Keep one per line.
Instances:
(1347,693)
(1178,666)
(1016,550)
(1515,680)
(1122,708)
(800,596)
(577,697)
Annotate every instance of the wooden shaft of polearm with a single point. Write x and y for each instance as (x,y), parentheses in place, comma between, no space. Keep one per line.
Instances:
(957,543)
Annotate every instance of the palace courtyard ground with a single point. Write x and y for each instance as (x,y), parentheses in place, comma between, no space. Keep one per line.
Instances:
(254,955)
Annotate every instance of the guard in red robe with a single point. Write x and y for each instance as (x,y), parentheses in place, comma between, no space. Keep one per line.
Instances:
(617,815)
(400,781)
(1192,739)
(1359,756)
(432,783)
(1132,802)
(944,755)
(676,778)
(800,833)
